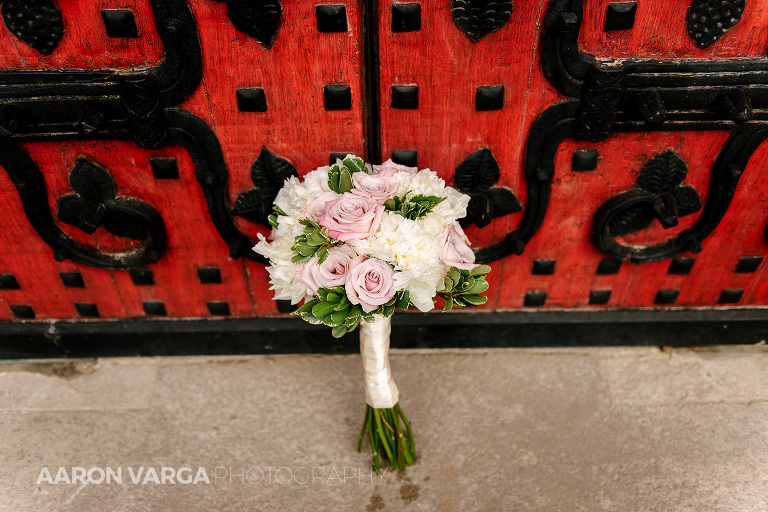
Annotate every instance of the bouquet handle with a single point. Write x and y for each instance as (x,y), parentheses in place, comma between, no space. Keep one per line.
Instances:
(389,431)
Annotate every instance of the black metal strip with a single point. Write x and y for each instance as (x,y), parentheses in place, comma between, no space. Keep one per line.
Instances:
(370,64)
(551,328)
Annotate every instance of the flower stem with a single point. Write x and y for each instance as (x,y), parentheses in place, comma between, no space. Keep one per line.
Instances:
(387,430)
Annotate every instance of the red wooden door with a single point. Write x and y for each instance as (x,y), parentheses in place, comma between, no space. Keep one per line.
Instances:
(613,150)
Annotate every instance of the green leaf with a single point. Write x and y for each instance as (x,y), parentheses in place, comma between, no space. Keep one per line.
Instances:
(339,331)
(300,259)
(390,204)
(304,249)
(337,318)
(354,164)
(454,274)
(458,302)
(403,300)
(449,284)
(475,300)
(316,238)
(448,303)
(481,270)
(343,303)
(333,297)
(278,210)
(308,317)
(345,181)
(322,309)
(465,284)
(306,307)
(352,323)
(388,311)
(322,255)
(479,287)
(273,221)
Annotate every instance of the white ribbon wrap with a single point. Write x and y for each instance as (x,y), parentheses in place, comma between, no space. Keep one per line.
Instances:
(380,389)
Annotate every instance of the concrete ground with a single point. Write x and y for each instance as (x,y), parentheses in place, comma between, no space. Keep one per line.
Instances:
(615,429)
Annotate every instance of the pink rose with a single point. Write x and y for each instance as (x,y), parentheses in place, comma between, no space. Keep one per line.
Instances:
(370,283)
(333,271)
(389,168)
(455,248)
(374,187)
(351,217)
(304,274)
(316,209)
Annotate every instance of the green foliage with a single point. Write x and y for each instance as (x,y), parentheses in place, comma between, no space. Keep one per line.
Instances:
(314,242)
(463,287)
(413,208)
(340,177)
(273,218)
(331,307)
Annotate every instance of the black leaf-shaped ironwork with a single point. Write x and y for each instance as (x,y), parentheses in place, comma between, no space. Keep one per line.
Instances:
(268,173)
(708,20)
(36,22)
(95,203)
(662,173)
(478,18)
(479,171)
(661,195)
(259,19)
(475,176)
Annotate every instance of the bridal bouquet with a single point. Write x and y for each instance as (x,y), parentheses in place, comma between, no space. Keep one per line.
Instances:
(355,242)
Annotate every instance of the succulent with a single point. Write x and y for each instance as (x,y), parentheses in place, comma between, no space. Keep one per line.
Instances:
(340,176)
(462,287)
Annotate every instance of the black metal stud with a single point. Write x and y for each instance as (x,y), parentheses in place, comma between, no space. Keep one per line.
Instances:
(142,276)
(87,309)
(608,266)
(599,297)
(209,275)
(23,311)
(666,297)
(72,279)
(119,23)
(285,306)
(748,264)
(405,96)
(681,266)
(584,160)
(730,296)
(337,97)
(164,168)
(338,156)
(620,16)
(220,308)
(489,97)
(406,17)
(154,307)
(251,99)
(8,282)
(535,299)
(407,157)
(331,18)
(543,267)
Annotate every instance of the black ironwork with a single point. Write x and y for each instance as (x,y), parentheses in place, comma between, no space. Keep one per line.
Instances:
(268,173)
(708,20)
(611,96)
(475,176)
(478,18)
(37,23)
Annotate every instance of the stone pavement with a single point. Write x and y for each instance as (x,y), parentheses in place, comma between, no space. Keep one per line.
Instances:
(590,429)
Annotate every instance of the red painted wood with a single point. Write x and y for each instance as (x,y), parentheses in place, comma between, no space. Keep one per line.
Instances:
(444,130)
(660,31)
(85,44)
